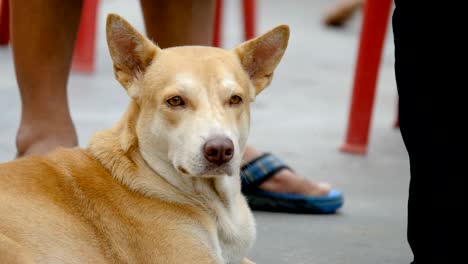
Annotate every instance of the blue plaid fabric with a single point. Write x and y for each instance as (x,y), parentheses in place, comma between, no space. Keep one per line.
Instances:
(259,170)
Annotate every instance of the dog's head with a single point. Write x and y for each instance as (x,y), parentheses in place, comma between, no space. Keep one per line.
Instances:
(193,101)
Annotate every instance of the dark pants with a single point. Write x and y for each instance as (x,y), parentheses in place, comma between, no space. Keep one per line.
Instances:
(432,79)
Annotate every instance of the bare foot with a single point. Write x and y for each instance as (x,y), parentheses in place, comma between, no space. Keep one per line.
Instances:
(341,12)
(40,137)
(286,181)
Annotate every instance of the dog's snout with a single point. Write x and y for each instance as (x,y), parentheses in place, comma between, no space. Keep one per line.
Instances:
(218,150)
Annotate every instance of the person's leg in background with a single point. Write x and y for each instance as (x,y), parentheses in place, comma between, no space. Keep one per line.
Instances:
(43,37)
(432,91)
(178,23)
(190,22)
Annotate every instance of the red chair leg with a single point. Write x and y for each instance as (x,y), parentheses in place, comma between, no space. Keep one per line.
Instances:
(218,23)
(85,47)
(374,27)
(4,23)
(249,18)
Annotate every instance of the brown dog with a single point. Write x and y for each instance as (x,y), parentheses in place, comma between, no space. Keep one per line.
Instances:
(162,185)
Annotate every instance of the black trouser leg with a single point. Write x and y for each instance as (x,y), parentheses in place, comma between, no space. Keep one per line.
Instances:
(432,89)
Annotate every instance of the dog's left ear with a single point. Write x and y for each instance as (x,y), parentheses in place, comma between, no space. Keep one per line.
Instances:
(131,52)
(260,56)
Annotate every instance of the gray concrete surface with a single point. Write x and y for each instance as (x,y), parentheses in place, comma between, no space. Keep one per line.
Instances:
(301,117)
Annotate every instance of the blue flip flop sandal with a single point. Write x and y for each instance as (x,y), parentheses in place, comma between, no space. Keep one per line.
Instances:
(264,167)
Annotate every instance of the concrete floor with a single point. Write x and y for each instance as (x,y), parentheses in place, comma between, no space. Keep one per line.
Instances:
(301,117)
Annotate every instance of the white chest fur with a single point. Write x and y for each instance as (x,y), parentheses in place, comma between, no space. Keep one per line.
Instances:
(234,232)
(235,228)
(236,236)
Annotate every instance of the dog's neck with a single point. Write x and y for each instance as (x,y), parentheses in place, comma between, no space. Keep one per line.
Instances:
(117,150)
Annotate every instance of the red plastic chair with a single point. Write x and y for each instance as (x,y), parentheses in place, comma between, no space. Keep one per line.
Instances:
(374,27)
(85,48)
(249,10)
(83,60)
(4,23)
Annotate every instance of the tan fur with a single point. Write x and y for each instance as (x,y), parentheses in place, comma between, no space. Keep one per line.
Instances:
(140,193)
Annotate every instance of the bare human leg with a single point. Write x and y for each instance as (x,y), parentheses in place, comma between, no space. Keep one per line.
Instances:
(43,37)
(287,181)
(190,22)
(178,23)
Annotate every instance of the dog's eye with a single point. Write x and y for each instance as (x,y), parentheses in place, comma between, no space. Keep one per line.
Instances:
(235,99)
(175,101)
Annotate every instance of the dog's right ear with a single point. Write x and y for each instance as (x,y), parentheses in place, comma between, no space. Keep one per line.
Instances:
(260,56)
(131,52)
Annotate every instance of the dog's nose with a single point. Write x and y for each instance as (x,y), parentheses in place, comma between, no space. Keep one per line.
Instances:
(218,150)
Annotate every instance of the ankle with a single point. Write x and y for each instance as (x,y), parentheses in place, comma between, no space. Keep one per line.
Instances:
(250,153)
(50,133)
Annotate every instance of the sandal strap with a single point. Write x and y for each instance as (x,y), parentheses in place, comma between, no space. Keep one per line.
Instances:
(259,170)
